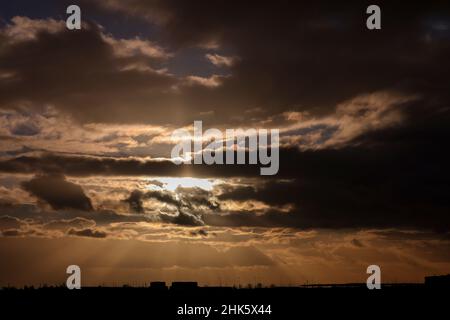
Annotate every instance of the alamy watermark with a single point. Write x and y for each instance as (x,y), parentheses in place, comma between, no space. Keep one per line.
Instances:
(374,280)
(74,280)
(262,147)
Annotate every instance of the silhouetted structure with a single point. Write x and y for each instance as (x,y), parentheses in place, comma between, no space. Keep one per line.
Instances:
(158,285)
(438,281)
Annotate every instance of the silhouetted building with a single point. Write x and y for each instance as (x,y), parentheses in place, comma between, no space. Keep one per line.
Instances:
(178,285)
(438,281)
(158,285)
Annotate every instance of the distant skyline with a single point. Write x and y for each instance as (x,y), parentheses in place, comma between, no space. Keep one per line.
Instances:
(86,119)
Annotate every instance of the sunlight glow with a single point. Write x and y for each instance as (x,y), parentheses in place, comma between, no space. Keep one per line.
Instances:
(171,183)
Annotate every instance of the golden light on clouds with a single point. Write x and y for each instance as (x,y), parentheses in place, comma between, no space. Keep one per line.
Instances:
(171,183)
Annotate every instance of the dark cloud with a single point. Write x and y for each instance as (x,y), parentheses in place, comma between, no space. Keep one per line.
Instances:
(25,129)
(110,84)
(303,55)
(88,232)
(357,243)
(135,201)
(64,224)
(189,203)
(309,57)
(355,187)
(196,197)
(87,166)
(58,192)
(164,196)
(104,217)
(183,218)
(11,233)
(185,214)
(201,232)
(392,177)
(7,222)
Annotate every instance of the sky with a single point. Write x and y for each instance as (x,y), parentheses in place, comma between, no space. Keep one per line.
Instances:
(86,119)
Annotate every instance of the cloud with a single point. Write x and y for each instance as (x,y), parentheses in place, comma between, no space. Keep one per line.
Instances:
(25,129)
(381,180)
(122,71)
(135,201)
(200,232)
(11,233)
(189,204)
(352,118)
(364,128)
(7,222)
(163,196)
(357,243)
(65,224)
(273,72)
(58,192)
(195,197)
(136,46)
(310,57)
(211,82)
(63,218)
(25,29)
(219,60)
(79,165)
(182,218)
